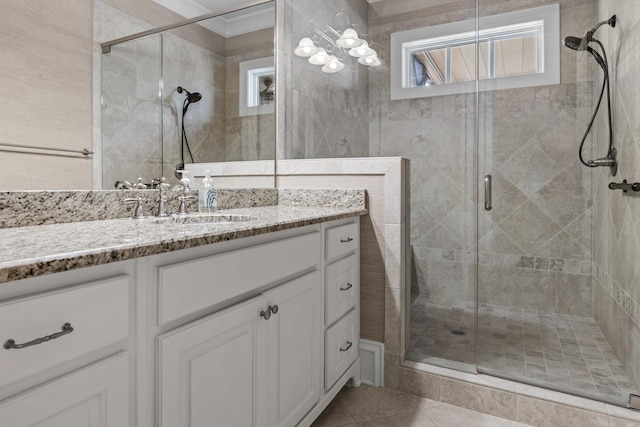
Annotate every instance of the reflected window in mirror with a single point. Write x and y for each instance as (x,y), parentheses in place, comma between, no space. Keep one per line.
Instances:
(257,88)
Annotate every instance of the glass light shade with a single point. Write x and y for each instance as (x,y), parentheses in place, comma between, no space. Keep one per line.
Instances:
(349,39)
(371,60)
(333,66)
(305,48)
(362,50)
(321,57)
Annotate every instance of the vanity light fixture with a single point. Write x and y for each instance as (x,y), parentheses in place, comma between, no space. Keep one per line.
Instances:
(330,48)
(362,50)
(371,60)
(333,66)
(349,39)
(321,57)
(305,48)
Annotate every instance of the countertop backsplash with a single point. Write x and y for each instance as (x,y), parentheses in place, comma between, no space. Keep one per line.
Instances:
(24,208)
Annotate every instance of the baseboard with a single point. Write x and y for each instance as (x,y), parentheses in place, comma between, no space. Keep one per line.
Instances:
(371,362)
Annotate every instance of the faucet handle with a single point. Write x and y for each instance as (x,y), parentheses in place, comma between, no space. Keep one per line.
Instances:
(163,184)
(184,198)
(138,210)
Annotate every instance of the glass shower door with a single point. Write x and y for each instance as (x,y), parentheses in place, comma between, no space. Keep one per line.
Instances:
(535,281)
(131,111)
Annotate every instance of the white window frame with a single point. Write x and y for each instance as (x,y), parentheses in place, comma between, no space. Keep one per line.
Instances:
(404,42)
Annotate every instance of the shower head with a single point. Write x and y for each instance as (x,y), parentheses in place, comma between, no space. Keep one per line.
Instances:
(572,42)
(579,44)
(191,97)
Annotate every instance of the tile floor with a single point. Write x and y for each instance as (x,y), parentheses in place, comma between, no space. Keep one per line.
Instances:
(566,352)
(367,406)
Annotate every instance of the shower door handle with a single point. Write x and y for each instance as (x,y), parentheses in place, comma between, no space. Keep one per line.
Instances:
(487,192)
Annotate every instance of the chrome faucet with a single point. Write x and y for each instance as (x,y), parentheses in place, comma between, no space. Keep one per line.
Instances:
(163,204)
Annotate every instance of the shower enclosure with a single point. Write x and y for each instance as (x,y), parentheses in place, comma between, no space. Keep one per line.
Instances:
(507,288)
(513,288)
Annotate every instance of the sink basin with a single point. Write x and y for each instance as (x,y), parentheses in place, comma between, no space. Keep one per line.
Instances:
(209,218)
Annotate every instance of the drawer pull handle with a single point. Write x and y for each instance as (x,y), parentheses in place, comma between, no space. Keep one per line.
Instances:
(346,288)
(347,240)
(273,309)
(66,329)
(349,344)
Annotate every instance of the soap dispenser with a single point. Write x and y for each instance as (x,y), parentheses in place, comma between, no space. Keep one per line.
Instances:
(207,195)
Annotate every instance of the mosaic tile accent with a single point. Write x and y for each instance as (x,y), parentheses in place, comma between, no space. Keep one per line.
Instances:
(572,266)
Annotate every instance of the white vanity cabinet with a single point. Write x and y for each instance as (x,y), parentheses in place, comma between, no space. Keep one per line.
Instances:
(253,364)
(260,331)
(263,356)
(64,359)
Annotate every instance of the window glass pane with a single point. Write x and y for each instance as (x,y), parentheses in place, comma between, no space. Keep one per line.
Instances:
(517,56)
(429,67)
(484,62)
(463,63)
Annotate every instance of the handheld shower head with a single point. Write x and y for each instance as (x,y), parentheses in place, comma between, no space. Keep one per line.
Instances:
(579,44)
(572,42)
(191,97)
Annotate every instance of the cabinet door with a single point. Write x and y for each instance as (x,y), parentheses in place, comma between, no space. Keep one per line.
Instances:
(292,382)
(207,369)
(97,396)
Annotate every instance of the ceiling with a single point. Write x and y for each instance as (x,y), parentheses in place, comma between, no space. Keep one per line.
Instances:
(231,24)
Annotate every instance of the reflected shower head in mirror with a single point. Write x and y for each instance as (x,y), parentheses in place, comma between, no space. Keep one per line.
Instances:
(190,99)
(582,44)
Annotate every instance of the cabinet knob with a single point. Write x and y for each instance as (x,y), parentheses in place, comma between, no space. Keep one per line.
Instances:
(347,240)
(273,309)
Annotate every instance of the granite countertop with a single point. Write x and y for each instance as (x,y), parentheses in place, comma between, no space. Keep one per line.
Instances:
(36,250)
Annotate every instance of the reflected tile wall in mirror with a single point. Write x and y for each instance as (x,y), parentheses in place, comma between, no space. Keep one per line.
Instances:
(141,134)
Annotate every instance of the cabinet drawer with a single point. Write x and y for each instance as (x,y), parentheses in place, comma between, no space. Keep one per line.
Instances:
(341,240)
(341,288)
(97,395)
(187,287)
(341,347)
(97,312)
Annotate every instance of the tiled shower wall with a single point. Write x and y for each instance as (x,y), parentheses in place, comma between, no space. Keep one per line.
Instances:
(326,114)
(246,137)
(617,229)
(535,245)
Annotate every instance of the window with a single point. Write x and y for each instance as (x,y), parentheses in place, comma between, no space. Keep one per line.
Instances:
(516,49)
(257,89)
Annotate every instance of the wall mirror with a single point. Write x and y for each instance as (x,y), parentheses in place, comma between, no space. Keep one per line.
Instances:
(201,92)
